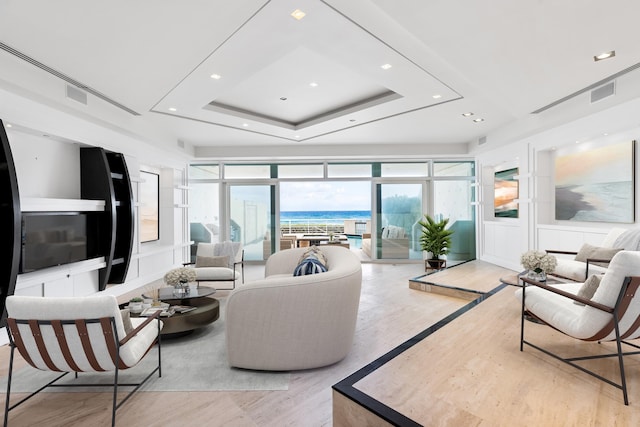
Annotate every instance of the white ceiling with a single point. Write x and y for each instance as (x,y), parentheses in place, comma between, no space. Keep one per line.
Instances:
(501,60)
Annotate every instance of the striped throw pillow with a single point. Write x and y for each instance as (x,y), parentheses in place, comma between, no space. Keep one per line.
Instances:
(309,266)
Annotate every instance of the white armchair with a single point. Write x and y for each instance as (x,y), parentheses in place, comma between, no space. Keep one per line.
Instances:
(78,334)
(612,314)
(219,262)
(589,259)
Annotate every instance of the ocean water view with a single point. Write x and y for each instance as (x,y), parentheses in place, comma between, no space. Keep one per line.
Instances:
(605,202)
(322,217)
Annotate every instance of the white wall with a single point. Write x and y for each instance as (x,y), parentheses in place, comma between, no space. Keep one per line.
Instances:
(47,160)
(501,241)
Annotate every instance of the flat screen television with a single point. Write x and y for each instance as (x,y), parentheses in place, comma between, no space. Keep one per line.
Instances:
(51,239)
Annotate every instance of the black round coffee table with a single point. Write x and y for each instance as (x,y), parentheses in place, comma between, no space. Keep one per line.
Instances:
(207,310)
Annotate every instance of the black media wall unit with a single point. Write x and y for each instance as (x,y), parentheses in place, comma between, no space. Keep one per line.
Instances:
(10,218)
(104,176)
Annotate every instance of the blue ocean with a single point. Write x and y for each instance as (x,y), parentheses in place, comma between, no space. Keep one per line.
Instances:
(323,217)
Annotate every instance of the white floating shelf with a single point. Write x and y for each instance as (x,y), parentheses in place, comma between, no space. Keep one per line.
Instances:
(60,205)
(183,187)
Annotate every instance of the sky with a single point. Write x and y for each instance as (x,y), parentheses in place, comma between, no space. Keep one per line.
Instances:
(325,196)
(612,163)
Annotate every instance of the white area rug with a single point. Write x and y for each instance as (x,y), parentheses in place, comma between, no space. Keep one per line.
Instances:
(196,362)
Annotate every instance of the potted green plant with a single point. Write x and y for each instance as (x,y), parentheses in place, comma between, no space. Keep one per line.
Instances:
(435,239)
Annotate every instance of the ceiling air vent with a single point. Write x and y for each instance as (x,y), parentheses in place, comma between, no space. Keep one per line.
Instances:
(77,94)
(66,78)
(595,87)
(482,140)
(604,91)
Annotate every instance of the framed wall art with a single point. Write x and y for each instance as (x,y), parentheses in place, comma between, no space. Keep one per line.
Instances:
(596,184)
(505,194)
(149,202)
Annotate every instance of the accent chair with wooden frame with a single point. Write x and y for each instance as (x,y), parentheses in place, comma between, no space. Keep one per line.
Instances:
(78,334)
(612,314)
(579,270)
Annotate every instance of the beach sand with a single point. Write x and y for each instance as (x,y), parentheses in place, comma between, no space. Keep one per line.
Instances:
(569,203)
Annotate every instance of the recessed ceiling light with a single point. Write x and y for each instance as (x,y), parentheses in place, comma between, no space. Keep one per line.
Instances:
(577,142)
(604,55)
(437,96)
(8,125)
(173,109)
(478,120)
(283,98)
(298,14)
(245,125)
(297,136)
(216,76)
(467,114)
(386,66)
(313,84)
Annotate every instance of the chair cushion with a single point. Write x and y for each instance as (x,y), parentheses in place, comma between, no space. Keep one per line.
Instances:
(309,266)
(588,289)
(589,251)
(585,322)
(212,261)
(576,270)
(216,273)
(126,321)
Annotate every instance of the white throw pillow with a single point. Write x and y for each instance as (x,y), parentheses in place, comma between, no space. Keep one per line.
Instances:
(212,261)
(589,288)
(595,252)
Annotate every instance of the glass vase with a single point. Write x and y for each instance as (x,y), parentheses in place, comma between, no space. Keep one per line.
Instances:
(538,276)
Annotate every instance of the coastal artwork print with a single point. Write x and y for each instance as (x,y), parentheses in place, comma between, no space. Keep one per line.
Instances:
(596,185)
(505,194)
(148,199)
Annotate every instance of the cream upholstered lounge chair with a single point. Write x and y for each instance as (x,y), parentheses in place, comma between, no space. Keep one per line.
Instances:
(78,334)
(219,262)
(612,314)
(589,260)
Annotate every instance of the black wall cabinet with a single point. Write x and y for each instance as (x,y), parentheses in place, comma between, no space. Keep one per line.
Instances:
(104,176)
(10,218)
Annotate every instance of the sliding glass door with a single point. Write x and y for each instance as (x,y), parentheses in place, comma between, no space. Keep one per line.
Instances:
(251,219)
(399,207)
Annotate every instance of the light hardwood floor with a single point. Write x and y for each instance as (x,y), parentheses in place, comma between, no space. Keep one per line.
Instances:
(469,373)
(390,313)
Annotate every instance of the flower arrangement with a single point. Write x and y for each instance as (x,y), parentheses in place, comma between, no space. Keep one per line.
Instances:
(538,261)
(180,275)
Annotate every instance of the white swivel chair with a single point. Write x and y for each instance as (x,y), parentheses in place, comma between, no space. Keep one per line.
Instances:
(78,334)
(612,314)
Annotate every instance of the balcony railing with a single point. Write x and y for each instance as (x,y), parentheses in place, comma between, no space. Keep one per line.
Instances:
(310,227)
